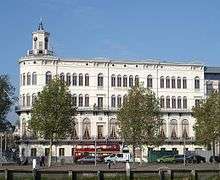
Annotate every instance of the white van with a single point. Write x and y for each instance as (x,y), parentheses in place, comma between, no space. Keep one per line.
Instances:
(121,157)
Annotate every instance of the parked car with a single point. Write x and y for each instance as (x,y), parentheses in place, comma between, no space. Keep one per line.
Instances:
(166,159)
(89,159)
(121,157)
(198,159)
(217,159)
(189,159)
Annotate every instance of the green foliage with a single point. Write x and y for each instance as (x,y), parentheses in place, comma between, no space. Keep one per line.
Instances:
(139,118)
(207,114)
(6,101)
(53,113)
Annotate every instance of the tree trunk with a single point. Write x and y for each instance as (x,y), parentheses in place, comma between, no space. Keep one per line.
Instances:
(141,159)
(133,146)
(213,150)
(50,153)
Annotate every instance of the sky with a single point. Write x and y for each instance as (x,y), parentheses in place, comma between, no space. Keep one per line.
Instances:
(171,30)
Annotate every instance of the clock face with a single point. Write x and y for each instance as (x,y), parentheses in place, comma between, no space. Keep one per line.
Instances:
(35,38)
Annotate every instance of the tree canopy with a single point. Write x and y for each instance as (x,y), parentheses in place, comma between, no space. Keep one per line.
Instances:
(207,114)
(53,113)
(6,101)
(139,118)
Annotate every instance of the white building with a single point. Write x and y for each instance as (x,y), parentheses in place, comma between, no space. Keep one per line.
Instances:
(98,87)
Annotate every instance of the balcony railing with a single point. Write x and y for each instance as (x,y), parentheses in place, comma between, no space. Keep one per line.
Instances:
(22,108)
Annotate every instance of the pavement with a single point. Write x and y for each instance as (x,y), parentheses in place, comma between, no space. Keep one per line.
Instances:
(118,167)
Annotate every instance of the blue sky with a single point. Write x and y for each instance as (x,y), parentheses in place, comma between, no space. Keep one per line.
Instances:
(123,29)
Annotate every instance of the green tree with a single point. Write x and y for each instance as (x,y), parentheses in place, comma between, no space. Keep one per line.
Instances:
(139,118)
(207,126)
(6,101)
(53,113)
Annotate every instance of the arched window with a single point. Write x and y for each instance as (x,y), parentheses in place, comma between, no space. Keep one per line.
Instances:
(86,79)
(86,100)
(24,79)
(113,80)
(130,81)
(162,82)
(185,129)
(23,99)
(34,78)
(113,126)
(184,102)
(80,100)
(162,103)
(173,82)
(62,77)
(100,80)
(86,128)
(125,81)
(68,79)
(149,81)
(74,133)
(197,82)
(173,129)
(74,100)
(28,100)
(46,42)
(34,97)
(119,80)
(136,80)
(184,83)
(125,98)
(113,99)
(168,102)
(173,102)
(74,79)
(48,77)
(167,82)
(179,102)
(163,129)
(28,78)
(178,82)
(80,79)
(119,101)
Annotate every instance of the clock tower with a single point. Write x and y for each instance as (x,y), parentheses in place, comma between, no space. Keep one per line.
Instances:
(40,42)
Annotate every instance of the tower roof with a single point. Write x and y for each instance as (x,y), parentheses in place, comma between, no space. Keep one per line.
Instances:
(40,26)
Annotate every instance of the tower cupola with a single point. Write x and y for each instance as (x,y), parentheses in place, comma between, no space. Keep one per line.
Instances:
(40,42)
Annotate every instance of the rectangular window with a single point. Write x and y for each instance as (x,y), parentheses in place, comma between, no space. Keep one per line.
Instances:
(113,81)
(184,103)
(33,152)
(197,101)
(100,102)
(100,131)
(47,151)
(167,103)
(61,152)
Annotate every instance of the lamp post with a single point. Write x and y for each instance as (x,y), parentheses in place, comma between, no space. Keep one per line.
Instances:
(184,152)
(95,150)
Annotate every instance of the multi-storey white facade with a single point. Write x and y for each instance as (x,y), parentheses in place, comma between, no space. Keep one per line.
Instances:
(99,87)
